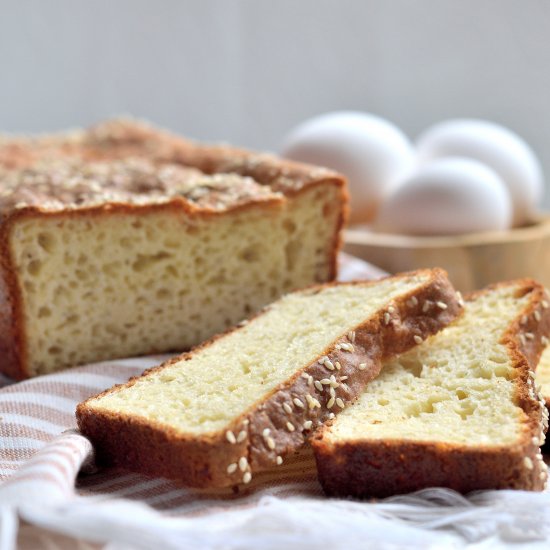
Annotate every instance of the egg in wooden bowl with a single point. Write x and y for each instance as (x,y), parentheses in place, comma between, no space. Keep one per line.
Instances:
(468,201)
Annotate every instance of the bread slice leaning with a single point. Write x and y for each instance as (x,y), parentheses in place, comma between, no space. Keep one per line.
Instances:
(238,403)
(460,411)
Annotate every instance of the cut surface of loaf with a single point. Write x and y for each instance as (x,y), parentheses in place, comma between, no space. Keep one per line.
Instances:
(124,240)
(239,403)
(460,410)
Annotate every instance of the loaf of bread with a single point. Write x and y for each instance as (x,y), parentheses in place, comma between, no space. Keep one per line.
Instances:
(124,240)
(461,410)
(242,401)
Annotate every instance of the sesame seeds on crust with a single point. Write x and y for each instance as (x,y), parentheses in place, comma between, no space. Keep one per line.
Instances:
(72,184)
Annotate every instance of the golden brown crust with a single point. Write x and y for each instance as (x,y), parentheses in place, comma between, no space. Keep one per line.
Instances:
(203,461)
(379,468)
(124,138)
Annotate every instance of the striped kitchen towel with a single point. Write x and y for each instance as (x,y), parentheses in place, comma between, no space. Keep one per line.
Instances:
(48,479)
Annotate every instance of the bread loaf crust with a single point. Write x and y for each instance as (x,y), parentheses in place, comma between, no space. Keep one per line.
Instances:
(11,326)
(205,461)
(119,139)
(381,468)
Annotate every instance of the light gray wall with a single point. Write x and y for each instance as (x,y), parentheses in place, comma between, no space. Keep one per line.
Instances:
(246,71)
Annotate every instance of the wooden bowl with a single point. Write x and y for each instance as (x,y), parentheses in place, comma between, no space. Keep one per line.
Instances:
(473,260)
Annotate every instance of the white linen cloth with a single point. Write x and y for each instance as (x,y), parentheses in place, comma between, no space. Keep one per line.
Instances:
(41,456)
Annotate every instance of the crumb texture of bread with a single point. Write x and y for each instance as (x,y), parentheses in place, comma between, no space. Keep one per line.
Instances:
(452,411)
(122,284)
(124,240)
(212,387)
(542,375)
(259,390)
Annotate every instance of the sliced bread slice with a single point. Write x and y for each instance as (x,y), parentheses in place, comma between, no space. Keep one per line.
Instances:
(241,401)
(458,411)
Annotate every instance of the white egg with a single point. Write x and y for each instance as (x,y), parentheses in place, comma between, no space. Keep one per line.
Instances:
(446,197)
(497,147)
(371,152)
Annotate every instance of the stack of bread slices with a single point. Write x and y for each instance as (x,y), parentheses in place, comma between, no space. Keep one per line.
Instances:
(397,384)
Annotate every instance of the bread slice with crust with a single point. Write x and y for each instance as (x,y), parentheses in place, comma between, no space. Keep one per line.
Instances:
(460,411)
(240,402)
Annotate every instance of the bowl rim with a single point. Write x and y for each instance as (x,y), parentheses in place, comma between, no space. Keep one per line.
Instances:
(538,228)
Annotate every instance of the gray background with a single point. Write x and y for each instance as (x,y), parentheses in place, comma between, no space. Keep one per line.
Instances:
(246,71)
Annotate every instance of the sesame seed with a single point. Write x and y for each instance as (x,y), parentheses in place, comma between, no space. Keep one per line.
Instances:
(312,402)
(545,304)
(247,478)
(333,382)
(362,366)
(332,392)
(329,364)
(246,422)
(298,403)
(308,424)
(279,460)
(528,463)
(387,318)
(460,298)
(522,339)
(342,378)
(266,432)
(337,365)
(323,359)
(426,306)
(537,315)
(441,305)
(391,309)
(337,346)
(230,437)
(523,319)
(232,468)
(347,347)
(529,336)
(418,339)
(287,408)
(325,381)
(241,437)
(290,427)
(318,385)
(270,442)
(412,302)
(330,403)
(351,336)
(535,441)
(340,402)
(243,463)
(310,381)
(544,340)
(305,375)
(331,416)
